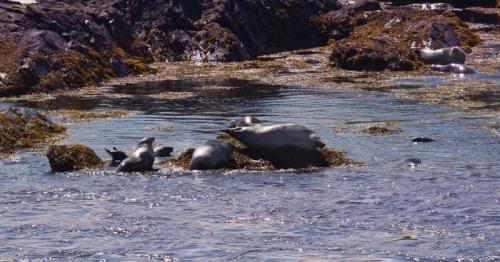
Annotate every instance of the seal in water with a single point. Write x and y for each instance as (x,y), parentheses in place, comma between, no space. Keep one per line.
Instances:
(443,56)
(454,68)
(163,151)
(212,154)
(277,136)
(117,156)
(411,161)
(142,159)
(244,121)
(422,139)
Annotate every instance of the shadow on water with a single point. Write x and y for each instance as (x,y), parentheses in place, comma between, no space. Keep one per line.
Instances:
(158,96)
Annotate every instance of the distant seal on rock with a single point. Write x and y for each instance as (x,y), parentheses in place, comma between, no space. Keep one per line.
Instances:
(212,154)
(454,68)
(142,159)
(276,136)
(117,156)
(443,56)
(244,121)
(163,151)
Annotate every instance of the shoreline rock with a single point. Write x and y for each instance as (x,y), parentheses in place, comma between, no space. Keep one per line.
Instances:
(23,128)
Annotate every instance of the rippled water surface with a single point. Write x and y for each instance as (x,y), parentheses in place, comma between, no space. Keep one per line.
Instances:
(447,208)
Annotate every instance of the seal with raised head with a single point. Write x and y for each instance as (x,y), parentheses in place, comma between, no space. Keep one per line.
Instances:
(276,136)
(443,56)
(454,68)
(244,121)
(142,159)
(212,154)
(117,156)
(163,151)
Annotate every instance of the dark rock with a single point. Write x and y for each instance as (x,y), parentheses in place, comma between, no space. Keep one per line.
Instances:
(102,39)
(455,3)
(479,15)
(65,158)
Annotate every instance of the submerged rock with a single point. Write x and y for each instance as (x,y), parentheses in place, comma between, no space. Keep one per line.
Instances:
(65,158)
(25,128)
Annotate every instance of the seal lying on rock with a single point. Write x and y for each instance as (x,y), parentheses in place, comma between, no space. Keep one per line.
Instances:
(285,135)
(163,151)
(443,56)
(212,154)
(142,159)
(454,68)
(244,121)
(117,156)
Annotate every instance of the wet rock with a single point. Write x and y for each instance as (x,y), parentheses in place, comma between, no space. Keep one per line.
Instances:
(104,39)
(65,158)
(388,39)
(24,128)
(479,15)
(380,130)
(455,3)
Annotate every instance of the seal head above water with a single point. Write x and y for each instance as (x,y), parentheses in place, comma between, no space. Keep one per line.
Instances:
(117,156)
(142,159)
(244,121)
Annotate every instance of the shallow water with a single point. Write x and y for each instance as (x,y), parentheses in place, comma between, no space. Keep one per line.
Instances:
(444,209)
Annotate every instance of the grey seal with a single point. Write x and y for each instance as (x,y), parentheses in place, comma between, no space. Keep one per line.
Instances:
(142,159)
(163,151)
(443,56)
(276,136)
(212,154)
(117,156)
(244,121)
(422,139)
(410,161)
(454,68)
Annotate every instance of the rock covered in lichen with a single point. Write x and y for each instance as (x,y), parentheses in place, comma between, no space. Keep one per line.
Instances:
(64,158)
(25,128)
(271,160)
(389,38)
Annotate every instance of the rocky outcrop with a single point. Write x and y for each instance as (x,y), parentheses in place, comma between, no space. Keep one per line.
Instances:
(455,3)
(388,38)
(65,158)
(22,129)
(64,44)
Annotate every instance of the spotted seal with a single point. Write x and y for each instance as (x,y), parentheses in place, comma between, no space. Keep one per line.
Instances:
(163,151)
(212,154)
(117,156)
(454,68)
(276,136)
(142,159)
(443,56)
